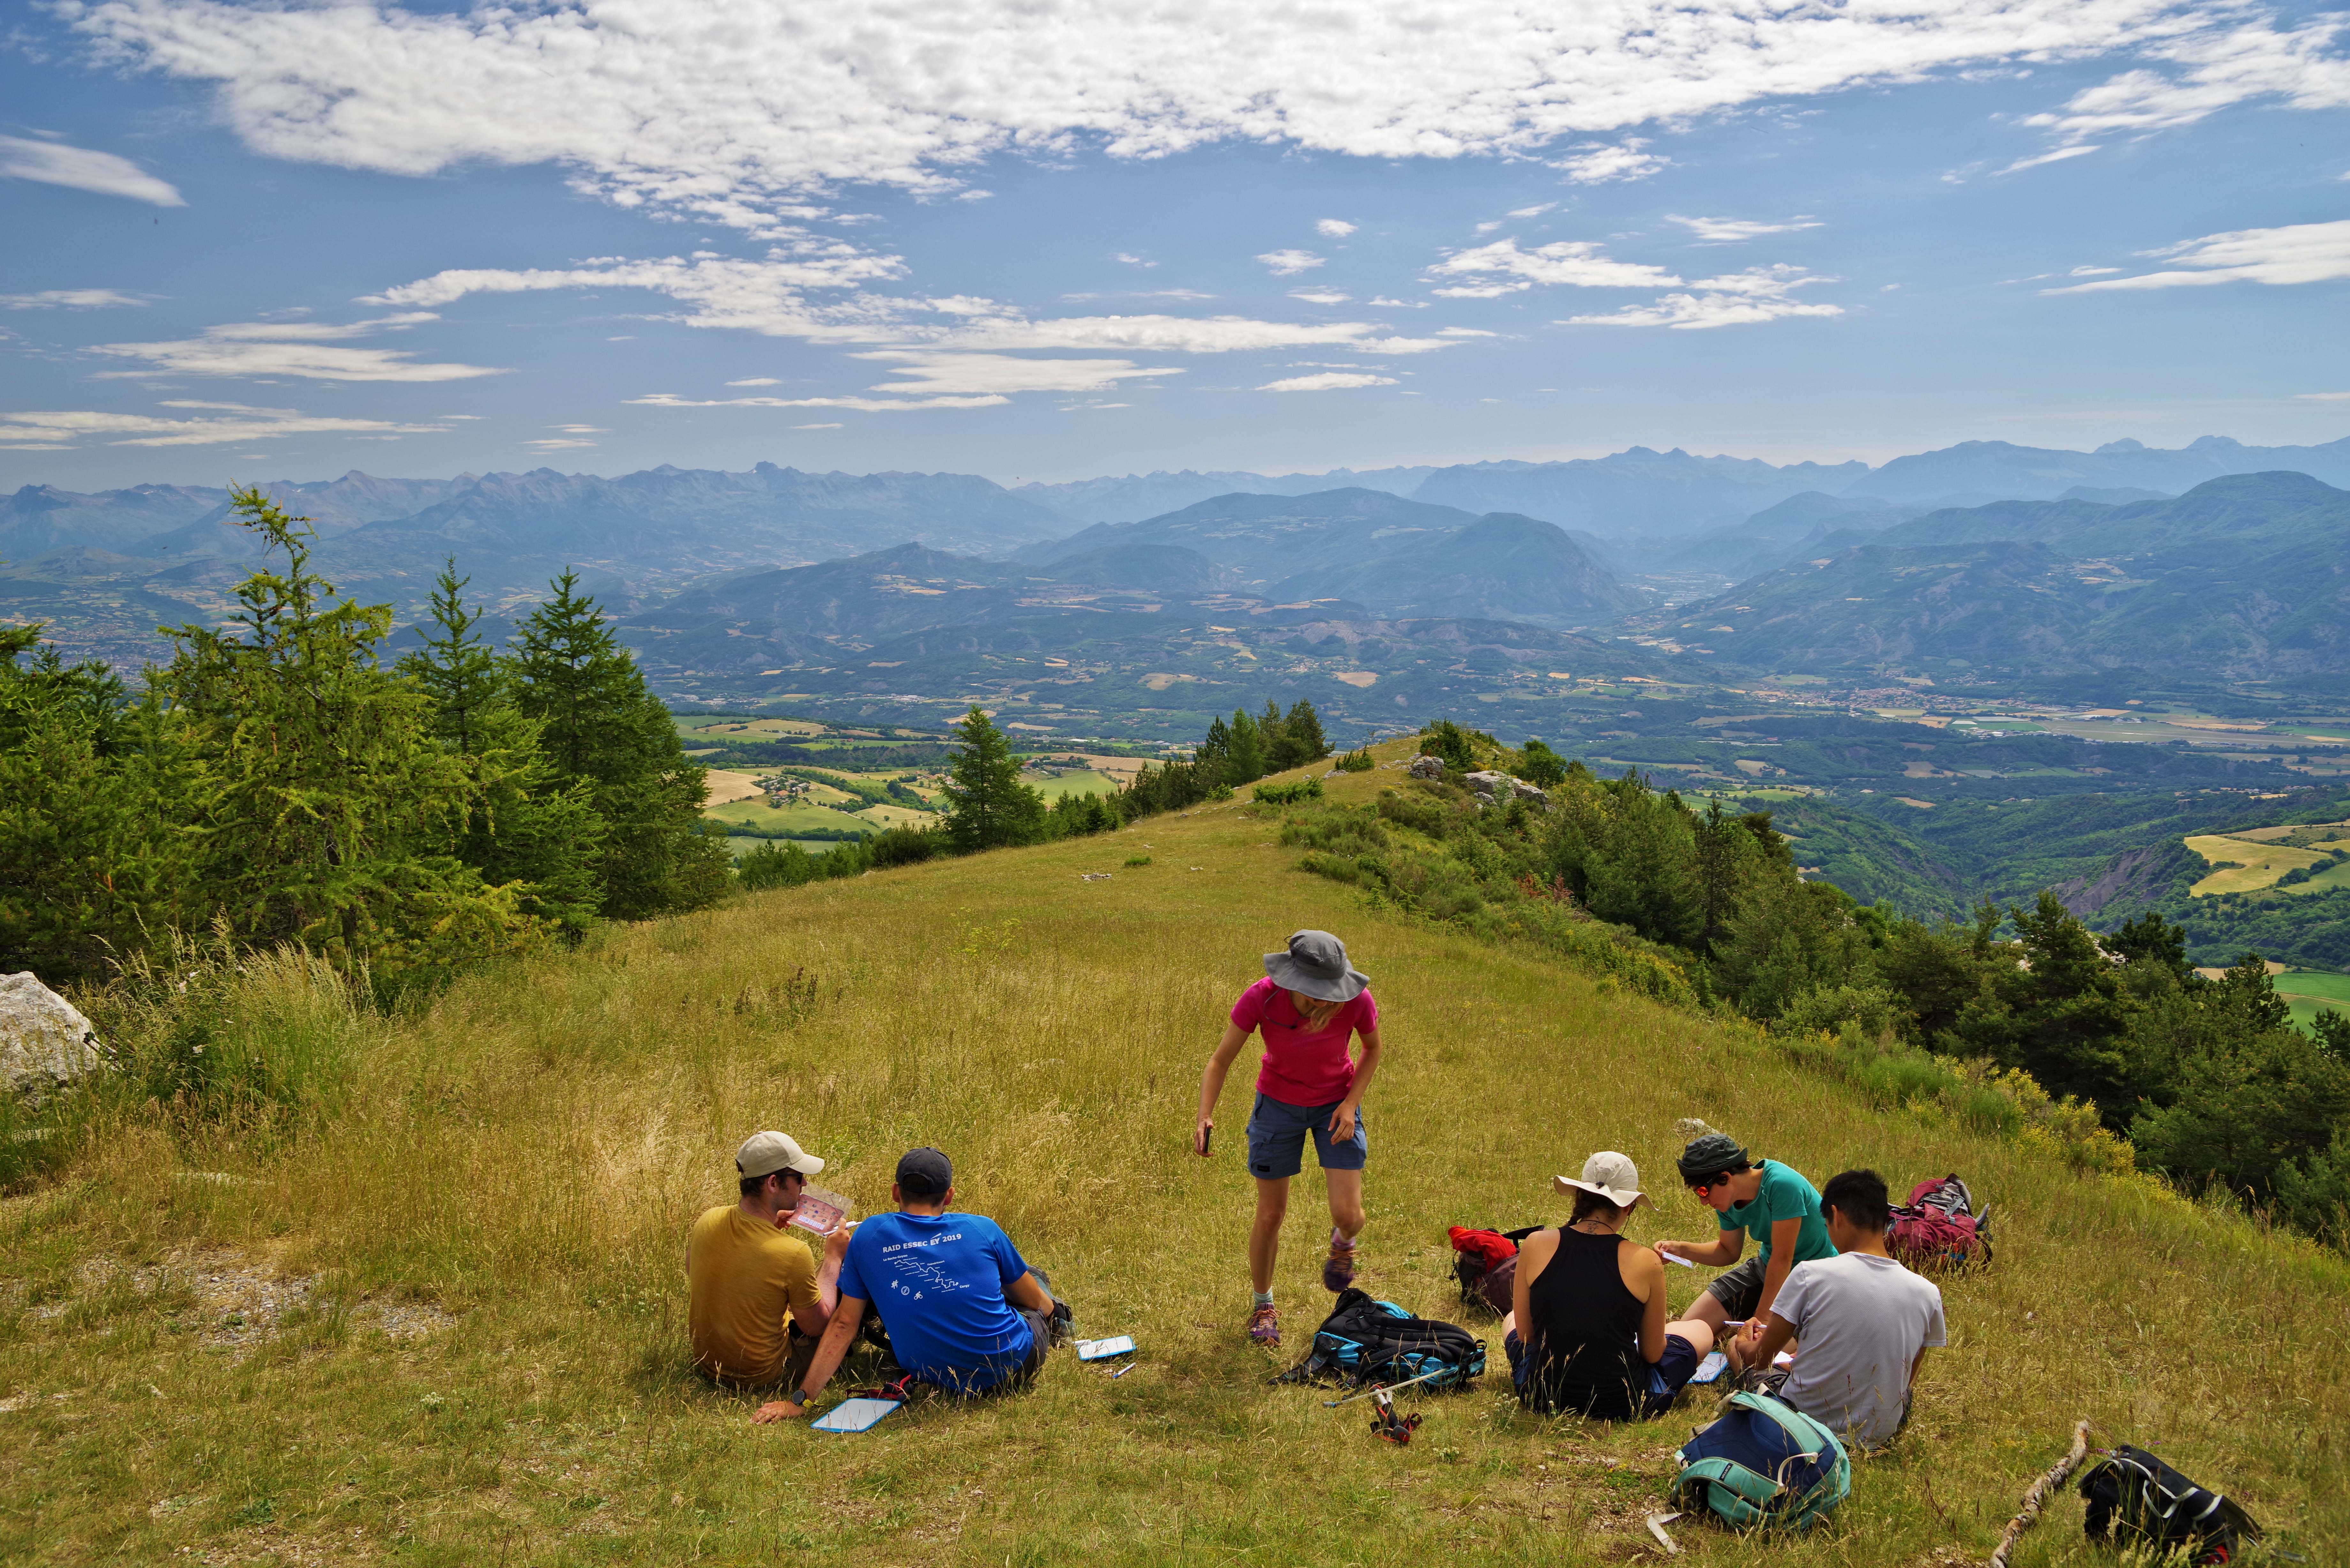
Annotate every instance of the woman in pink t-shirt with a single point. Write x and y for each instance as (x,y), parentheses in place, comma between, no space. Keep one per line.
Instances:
(1310,1008)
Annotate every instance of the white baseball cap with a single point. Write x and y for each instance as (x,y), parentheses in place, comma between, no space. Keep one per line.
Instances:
(765,1153)
(1606,1175)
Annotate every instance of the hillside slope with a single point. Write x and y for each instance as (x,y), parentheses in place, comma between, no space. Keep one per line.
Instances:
(529,1149)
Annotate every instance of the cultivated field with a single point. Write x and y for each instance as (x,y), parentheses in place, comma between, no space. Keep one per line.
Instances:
(439,1318)
(2309,989)
(2245,865)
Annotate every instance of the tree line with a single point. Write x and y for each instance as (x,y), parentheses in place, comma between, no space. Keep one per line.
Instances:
(2208,1079)
(277,782)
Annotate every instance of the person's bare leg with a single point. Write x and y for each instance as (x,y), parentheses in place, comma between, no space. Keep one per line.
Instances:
(1707,1310)
(1345,1201)
(1264,1235)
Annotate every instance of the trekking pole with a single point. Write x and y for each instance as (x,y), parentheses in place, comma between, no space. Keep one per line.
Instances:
(1389,1387)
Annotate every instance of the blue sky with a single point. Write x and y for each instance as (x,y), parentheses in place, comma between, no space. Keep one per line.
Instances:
(1032,242)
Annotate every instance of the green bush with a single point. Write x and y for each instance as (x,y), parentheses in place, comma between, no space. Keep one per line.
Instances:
(1354,761)
(1138,860)
(1288,794)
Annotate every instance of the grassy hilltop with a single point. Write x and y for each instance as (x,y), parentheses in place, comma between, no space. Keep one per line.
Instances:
(438,1315)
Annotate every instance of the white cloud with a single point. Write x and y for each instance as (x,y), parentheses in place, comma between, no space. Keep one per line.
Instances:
(834,426)
(2298,253)
(265,349)
(1735,230)
(2091,270)
(1328,382)
(769,295)
(558,445)
(70,299)
(756,381)
(1623,162)
(1130,259)
(1382,301)
(1735,300)
(80,168)
(1578,263)
(861,405)
(1161,334)
(61,431)
(1533,211)
(2325,396)
(1286,263)
(1464,332)
(1320,295)
(2216,58)
(580,430)
(934,374)
(1335,228)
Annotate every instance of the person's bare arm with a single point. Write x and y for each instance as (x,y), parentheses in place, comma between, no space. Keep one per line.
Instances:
(1720,1253)
(1211,1083)
(1026,1291)
(1777,1332)
(847,1315)
(1783,1235)
(815,1320)
(1915,1362)
(1648,1282)
(1535,1254)
(1342,1120)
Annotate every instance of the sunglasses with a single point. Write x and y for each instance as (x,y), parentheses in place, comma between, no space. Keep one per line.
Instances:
(1702,1187)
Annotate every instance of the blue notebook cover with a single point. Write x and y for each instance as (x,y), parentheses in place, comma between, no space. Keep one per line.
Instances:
(1103,1349)
(1711,1367)
(853,1415)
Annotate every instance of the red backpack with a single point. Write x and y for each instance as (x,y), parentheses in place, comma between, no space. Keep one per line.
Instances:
(1940,1227)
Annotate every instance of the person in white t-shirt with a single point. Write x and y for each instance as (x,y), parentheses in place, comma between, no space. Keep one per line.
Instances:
(1862,1324)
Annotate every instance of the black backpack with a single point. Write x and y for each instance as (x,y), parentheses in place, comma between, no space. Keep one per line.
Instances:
(2139,1501)
(1365,1341)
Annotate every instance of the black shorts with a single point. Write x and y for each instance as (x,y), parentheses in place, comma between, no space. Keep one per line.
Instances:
(1739,1288)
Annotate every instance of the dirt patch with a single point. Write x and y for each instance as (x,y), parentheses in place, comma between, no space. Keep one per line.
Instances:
(242,1300)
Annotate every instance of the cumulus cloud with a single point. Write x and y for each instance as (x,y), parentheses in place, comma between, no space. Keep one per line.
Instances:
(1502,268)
(1735,300)
(1285,263)
(80,168)
(70,299)
(1735,230)
(2297,253)
(305,349)
(932,374)
(1328,382)
(217,424)
(1320,295)
(1335,228)
(1623,162)
(741,112)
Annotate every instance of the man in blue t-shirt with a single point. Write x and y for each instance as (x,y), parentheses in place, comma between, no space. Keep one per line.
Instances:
(962,1310)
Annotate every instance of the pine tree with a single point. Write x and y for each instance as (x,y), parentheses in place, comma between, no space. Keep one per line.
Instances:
(988,806)
(1246,756)
(320,808)
(529,827)
(601,726)
(1302,740)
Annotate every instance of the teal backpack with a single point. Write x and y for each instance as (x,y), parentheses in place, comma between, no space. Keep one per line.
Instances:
(1765,1464)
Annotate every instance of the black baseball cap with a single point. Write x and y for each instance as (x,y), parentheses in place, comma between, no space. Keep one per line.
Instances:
(924,1173)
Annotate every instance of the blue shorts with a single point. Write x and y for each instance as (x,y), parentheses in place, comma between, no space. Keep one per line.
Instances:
(1276,1138)
(1668,1375)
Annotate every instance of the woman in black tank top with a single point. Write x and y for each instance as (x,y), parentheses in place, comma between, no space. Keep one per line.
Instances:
(1588,1336)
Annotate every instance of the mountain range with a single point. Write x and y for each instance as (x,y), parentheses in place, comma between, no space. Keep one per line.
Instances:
(2245,578)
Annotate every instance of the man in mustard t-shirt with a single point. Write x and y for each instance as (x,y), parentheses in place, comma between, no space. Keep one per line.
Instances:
(758,1299)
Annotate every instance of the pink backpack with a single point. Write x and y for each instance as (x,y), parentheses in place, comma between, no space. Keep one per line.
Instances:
(1940,1227)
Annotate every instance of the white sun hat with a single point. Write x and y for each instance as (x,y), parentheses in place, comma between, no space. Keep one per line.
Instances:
(1606,1175)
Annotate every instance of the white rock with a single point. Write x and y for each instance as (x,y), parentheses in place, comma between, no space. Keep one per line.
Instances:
(45,1041)
(1487,782)
(1427,767)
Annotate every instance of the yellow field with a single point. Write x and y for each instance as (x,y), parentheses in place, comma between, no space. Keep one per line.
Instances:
(2256,865)
(437,1317)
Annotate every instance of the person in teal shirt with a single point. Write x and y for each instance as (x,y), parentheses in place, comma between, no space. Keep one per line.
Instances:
(1763,1199)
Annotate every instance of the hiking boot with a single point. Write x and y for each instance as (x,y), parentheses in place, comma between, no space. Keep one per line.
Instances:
(1338,1269)
(1264,1325)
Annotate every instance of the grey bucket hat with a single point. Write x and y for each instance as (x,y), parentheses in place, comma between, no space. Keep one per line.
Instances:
(1315,965)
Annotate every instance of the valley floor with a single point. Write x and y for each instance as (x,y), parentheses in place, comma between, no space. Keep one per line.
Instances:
(445,1323)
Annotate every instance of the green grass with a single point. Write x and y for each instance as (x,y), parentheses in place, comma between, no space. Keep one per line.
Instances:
(756,813)
(524,1152)
(1075,782)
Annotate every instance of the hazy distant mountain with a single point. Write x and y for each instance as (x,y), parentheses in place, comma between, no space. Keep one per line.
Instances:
(39,518)
(1977,472)
(1498,567)
(1633,491)
(2244,577)
(1129,498)
(1160,568)
(1267,537)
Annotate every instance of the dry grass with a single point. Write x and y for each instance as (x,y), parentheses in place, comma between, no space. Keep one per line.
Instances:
(525,1156)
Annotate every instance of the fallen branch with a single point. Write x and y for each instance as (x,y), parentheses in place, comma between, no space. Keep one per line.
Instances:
(2029,1514)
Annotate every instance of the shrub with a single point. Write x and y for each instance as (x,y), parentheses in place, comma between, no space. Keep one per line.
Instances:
(1138,860)
(908,846)
(1288,794)
(1354,761)
(1450,741)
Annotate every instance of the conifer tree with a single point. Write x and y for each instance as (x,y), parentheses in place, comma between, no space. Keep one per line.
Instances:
(988,806)
(1246,750)
(1298,737)
(528,826)
(319,807)
(601,726)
